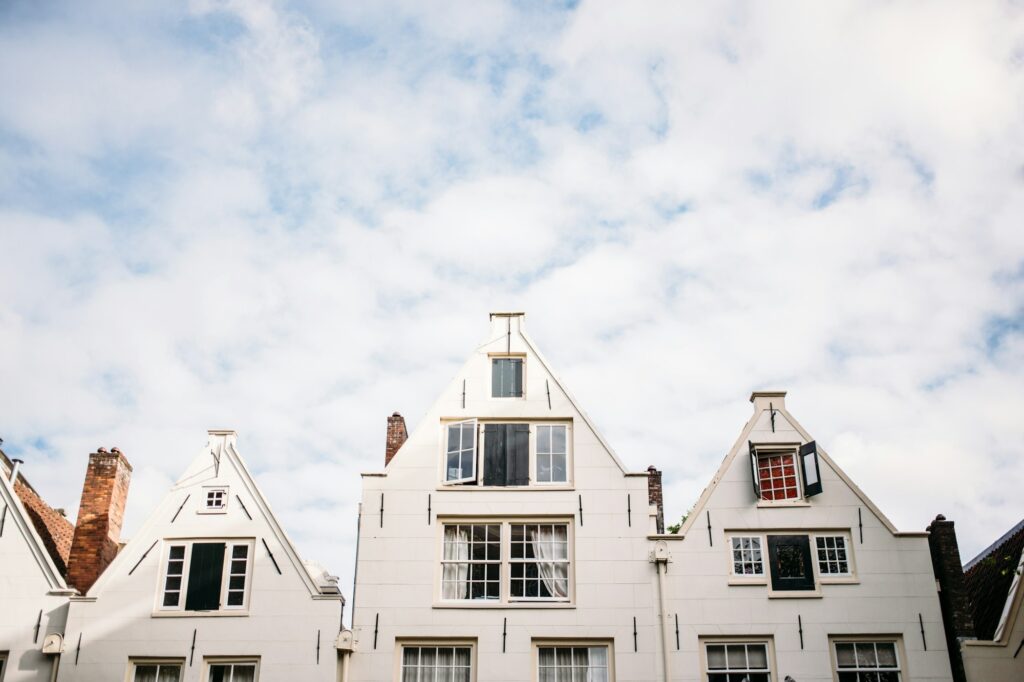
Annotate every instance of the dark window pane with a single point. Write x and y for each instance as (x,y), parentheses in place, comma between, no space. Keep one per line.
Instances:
(219,673)
(236,598)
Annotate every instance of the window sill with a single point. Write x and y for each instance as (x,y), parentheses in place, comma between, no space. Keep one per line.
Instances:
(844,580)
(212,511)
(535,487)
(767,504)
(736,580)
(200,614)
(816,594)
(504,605)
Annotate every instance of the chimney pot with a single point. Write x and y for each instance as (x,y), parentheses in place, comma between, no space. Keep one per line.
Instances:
(397,434)
(100,515)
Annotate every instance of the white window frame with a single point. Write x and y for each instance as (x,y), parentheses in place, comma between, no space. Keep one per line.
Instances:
(204,507)
(847,549)
(607,645)
(761,549)
(477,452)
(764,578)
(211,661)
(771,450)
(535,453)
(505,572)
(436,644)
(895,640)
(229,545)
(767,642)
(480,455)
(134,663)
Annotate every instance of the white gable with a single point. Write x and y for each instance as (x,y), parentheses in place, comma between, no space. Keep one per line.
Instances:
(25,556)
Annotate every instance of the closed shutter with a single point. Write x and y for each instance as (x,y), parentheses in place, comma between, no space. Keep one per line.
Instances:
(206,571)
(518,454)
(789,557)
(811,471)
(495,458)
(753,470)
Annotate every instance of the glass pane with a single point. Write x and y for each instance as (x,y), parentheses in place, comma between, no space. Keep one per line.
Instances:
(468,436)
(238,567)
(546,656)
(169,673)
(886,654)
(245,672)
(145,673)
(737,655)
(220,673)
(844,655)
(410,655)
(544,439)
(558,439)
(454,442)
(558,468)
(866,655)
(599,656)
(236,598)
(543,468)
(716,657)
(428,657)
(240,551)
(563,656)
(171,598)
(408,674)
(462,656)
(177,552)
(757,656)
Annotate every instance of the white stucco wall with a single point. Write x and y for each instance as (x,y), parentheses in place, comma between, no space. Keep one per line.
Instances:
(398,571)
(28,585)
(119,620)
(986,661)
(894,580)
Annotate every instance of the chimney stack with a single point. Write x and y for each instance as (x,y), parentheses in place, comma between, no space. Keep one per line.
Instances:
(396,436)
(100,514)
(654,495)
(957,613)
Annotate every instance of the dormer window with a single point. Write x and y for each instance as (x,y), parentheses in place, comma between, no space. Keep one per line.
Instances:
(773,469)
(206,575)
(215,500)
(507,377)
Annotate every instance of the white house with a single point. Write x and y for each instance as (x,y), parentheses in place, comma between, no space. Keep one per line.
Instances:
(209,589)
(504,540)
(785,570)
(33,593)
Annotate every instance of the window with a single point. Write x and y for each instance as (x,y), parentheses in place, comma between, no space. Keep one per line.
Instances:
(156,671)
(746,556)
(197,577)
(505,562)
(790,561)
(461,458)
(552,453)
(507,378)
(832,559)
(867,662)
(216,499)
(242,670)
(471,567)
(506,454)
(774,471)
(436,663)
(568,663)
(777,476)
(539,561)
(737,662)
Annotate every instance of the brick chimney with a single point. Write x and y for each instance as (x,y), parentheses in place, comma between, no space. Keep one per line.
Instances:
(654,495)
(396,436)
(100,514)
(957,613)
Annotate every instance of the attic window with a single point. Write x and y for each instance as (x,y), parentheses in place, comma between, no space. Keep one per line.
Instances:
(774,474)
(507,378)
(206,576)
(216,499)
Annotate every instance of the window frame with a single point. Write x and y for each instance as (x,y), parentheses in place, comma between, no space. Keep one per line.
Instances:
(209,661)
(224,609)
(134,663)
(895,639)
(744,578)
(538,643)
(776,450)
(205,509)
(851,569)
(402,643)
(505,599)
(477,481)
(820,578)
(724,640)
(535,454)
(477,452)
(491,358)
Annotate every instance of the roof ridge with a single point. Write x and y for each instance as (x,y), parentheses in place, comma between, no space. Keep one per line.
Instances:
(994,546)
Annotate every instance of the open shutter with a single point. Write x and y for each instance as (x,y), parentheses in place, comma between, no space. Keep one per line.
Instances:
(206,571)
(495,457)
(753,470)
(809,466)
(460,458)
(518,454)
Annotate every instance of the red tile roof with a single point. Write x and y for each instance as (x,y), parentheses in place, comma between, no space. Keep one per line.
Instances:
(54,529)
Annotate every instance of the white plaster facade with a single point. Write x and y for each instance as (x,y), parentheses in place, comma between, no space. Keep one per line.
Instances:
(609,603)
(33,595)
(287,620)
(888,595)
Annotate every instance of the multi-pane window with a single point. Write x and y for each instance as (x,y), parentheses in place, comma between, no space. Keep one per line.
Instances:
(867,662)
(507,378)
(460,460)
(471,563)
(572,663)
(206,576)
(436,663)
(777,476)
(216,499)
(737,662)
(156,671)
(746,556)
(832,559)
(232,671)
(552,453)
(539,561)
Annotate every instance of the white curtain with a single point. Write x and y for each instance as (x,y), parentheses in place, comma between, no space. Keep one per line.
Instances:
(145,673)
(549,545)
(455,576)
(169,673)
(244,673)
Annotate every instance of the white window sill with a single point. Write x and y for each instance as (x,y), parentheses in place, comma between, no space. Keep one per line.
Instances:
(469,604)
(841,580)
(736,580)
(796,594)
(766,504)
(212,511)
(533,487)
(199,614)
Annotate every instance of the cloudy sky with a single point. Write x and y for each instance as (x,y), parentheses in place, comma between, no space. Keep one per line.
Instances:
(292,220)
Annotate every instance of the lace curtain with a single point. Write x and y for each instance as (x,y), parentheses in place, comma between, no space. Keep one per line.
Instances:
(550,548)
(455,576)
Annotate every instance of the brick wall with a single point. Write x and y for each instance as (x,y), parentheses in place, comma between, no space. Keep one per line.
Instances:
(654,495)
(957,614)
(100,514)
(397,435)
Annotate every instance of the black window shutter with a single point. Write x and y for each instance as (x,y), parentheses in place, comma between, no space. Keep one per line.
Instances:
(495,460)
(517,377)
(519,454)
(496,367)
(753,470)
(810,469)
(205,573)
(790,560)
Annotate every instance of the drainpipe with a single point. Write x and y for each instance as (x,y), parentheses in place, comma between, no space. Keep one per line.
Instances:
(660,557)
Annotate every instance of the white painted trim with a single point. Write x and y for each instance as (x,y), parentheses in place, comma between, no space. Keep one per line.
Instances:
(16,512)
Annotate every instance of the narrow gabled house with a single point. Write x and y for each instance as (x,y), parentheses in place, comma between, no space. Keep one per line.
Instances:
(785,570)
(504,540)
(209,589)
(35,541)
(983,604)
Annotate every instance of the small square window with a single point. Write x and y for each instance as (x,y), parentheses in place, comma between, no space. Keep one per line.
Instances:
(507,378)
(777,477)
(216,499)
(833,555)
(746,556)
